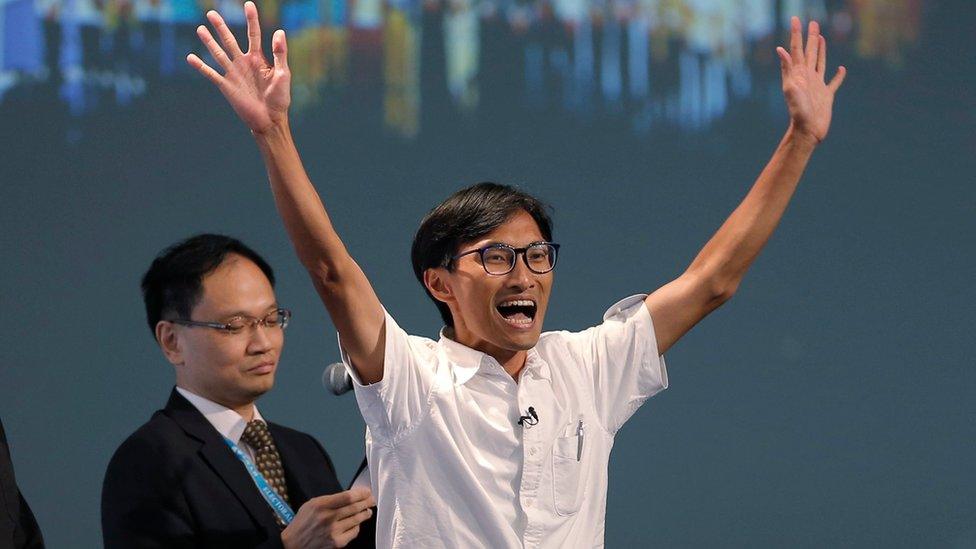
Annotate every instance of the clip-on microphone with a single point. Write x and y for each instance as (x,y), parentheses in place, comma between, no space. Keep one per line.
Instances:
(530,419)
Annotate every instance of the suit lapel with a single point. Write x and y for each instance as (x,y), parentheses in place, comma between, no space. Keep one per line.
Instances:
(220,458)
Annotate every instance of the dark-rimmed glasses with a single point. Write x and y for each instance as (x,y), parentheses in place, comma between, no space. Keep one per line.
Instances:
(499,259)
(275,319)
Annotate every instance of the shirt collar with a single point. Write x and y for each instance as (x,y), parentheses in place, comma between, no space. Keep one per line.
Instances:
(466,362)
(227,422)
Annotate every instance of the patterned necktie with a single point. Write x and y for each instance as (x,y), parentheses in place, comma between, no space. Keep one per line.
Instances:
(266,458)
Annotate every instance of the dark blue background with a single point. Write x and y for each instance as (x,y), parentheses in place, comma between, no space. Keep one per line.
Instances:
(830,403)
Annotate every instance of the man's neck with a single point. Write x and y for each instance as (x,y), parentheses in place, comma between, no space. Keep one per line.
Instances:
(511,361)
(514,364)
(245,410)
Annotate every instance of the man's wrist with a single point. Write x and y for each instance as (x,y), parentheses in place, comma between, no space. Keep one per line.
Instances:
(277,133)
(804,141)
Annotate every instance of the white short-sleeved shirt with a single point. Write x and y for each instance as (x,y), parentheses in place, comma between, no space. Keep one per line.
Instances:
(451,467)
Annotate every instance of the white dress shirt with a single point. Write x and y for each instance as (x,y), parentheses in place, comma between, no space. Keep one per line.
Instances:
(451,467)
(227,422)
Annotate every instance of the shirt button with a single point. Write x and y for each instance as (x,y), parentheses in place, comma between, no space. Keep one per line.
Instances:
(533,451)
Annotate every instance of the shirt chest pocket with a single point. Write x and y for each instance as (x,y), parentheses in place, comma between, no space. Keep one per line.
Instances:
(568,466)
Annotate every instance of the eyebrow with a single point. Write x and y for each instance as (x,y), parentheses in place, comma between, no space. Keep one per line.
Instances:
(236,314)
(496,242)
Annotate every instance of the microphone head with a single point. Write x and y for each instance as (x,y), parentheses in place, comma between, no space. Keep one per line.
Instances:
(336,379)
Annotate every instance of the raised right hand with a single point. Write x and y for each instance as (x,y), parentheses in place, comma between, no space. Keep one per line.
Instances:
(259,93)
(329,521)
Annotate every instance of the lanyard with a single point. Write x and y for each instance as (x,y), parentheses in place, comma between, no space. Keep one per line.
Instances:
(278,505)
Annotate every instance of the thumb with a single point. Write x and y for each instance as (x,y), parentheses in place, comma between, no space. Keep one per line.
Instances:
(785,61)
(838,79)
(279,49)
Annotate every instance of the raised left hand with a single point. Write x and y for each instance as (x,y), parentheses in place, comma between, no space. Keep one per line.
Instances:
(809,98)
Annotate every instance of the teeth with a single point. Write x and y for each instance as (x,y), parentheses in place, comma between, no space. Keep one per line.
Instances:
(519,322)
(518,303)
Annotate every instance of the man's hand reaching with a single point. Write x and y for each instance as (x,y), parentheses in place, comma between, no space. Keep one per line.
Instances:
(258,92)
(809,98)
(715,274)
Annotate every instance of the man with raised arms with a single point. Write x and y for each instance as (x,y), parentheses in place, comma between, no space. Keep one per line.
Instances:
(496,434)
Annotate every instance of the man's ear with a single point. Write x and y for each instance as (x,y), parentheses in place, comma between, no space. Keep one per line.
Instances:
(438,284)
(169,342)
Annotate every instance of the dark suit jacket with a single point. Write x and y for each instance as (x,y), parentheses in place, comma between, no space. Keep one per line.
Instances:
(175,483)
(17,525)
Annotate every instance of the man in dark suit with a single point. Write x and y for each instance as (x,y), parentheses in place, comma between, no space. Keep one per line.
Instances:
(207,470)
(18,528)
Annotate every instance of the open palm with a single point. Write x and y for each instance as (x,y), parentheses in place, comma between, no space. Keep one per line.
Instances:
(809,98)
(259,93)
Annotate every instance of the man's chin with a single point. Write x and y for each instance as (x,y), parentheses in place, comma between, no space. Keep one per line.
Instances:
(261,386)
(524,342)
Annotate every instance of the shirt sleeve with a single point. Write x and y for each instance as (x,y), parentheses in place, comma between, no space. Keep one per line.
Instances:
(393,405)
(621,358)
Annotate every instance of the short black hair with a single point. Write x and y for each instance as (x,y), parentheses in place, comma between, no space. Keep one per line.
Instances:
(467,215)
(173,284)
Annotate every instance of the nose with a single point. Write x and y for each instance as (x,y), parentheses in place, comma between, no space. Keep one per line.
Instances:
(520,276)
(260,339)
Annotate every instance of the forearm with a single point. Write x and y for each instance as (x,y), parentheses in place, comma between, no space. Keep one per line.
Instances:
(343,287)
(729,253)
(316,242)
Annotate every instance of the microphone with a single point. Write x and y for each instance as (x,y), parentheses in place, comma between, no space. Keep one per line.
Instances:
(336,379)
(531,418)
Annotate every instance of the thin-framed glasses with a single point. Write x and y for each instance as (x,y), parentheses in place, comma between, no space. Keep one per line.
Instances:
(275,319)
(499,259)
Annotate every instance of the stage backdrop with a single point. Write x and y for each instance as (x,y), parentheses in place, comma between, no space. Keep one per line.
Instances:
(830,403)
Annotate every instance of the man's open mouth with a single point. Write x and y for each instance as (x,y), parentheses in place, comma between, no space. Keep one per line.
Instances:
(518,312)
